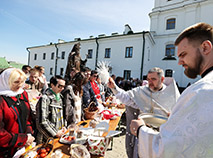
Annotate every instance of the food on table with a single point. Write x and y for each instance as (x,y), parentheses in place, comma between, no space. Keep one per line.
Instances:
(43,152)
(93,123)
(67,139)
(79,134)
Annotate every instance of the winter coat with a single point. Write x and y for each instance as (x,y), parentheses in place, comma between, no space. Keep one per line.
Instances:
(13,131)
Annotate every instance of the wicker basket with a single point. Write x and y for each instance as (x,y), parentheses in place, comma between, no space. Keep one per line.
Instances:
(36,148)
(90,115)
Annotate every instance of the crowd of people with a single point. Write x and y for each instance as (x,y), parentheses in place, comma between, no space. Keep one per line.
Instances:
(32,110)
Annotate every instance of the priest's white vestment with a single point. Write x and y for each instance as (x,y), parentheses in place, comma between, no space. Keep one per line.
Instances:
(146,101)
(188,133)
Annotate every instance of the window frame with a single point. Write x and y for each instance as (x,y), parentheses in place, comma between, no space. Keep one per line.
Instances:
(89,54)
(44,56)
(128,52)
(170,23)
(127,74)
(51,71)
(35,56)
(171,49)
(107,53)
(168,73)
(52,55)
(63,55)
(61,71)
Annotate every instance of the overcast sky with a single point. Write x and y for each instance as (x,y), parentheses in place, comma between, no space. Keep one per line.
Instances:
(27,23)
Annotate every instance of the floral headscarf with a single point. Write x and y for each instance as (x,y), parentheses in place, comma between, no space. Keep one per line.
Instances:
(4,84)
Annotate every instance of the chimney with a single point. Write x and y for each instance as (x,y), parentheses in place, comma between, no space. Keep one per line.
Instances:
(127,30)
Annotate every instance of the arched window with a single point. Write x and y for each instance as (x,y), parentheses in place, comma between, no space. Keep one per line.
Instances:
(168,73)
(170,50)
(170,24)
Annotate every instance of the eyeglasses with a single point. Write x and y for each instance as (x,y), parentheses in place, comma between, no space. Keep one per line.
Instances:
(61,86)
(95,75)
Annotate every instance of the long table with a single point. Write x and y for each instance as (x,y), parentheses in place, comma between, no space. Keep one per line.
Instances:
(65,148)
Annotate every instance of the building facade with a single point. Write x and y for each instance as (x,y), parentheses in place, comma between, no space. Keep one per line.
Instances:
(133,54)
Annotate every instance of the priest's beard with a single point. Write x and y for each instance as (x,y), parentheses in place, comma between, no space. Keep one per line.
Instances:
(155,88)
(192,72)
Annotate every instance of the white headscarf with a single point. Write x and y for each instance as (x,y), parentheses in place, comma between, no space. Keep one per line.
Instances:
(4,84)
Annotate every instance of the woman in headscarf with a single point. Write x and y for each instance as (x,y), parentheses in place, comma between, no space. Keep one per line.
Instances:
(15,120)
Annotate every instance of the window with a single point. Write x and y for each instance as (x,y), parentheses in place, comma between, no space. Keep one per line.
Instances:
(51,71)
(35,56)
(127,74)
(170,24)
(107,52)
(52,55)
(170,50)
(89,56)
(128,53)
(44,56)
(63,55)
(62,71)
(168,73)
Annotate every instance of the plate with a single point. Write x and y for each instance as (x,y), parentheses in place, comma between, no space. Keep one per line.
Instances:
(66,139)
(154,120)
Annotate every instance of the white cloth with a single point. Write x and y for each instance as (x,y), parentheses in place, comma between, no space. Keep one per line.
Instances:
(4,84)
(77,100)
(189,132)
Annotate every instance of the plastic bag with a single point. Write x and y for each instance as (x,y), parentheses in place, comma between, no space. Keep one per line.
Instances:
(79,151)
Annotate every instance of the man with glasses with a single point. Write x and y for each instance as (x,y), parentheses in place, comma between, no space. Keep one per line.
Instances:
(49,111)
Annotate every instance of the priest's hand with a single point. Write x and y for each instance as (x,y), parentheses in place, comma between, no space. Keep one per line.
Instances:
(111,83)
(135,124)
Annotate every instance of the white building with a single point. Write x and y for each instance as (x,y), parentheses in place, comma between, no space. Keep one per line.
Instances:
(133,54)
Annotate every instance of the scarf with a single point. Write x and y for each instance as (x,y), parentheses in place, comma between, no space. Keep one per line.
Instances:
(4,84)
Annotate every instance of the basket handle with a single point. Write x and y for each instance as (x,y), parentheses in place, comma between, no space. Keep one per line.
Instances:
(92,102)
(48,140)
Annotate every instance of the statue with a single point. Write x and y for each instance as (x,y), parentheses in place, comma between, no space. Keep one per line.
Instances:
(75,61)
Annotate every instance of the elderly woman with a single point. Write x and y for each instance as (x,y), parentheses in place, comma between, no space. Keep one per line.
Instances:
(15,126)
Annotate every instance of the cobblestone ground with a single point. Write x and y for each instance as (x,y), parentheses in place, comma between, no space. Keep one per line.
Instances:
(118,149)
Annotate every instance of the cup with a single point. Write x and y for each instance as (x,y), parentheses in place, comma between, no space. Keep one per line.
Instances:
(71,129)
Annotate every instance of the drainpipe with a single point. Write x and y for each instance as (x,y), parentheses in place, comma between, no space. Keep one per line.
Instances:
(143,50)
(96,58)
(28,56)
(56,59)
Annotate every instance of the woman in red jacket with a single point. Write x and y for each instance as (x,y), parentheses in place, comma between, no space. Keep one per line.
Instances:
(15,124)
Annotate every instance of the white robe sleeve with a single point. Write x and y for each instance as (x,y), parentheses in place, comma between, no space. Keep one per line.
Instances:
(145,141)
(124,97)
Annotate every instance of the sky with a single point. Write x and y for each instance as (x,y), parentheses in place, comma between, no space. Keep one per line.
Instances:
(28,23)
